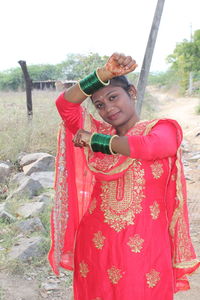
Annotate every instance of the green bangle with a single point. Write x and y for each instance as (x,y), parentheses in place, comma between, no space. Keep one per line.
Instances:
(101,143)
(91,84)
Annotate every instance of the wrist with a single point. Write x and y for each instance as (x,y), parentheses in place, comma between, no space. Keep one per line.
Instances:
(104,74)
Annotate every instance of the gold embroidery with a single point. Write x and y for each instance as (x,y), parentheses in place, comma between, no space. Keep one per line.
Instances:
(92,206)
(114,275)
(135,243)
(121,198)
(98,240)
(83,269)
(157,169)
(152,278)
(173,177)
(155,210)
(106,164)
(187,264)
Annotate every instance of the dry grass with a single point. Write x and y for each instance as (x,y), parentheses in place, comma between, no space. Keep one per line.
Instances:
(17,134)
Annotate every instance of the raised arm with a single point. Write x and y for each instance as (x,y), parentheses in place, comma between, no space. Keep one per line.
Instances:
(161,142)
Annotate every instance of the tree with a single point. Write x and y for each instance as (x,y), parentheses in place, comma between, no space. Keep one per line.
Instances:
(186,59)
(77,66)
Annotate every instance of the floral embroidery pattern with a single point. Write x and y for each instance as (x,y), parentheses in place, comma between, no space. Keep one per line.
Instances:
(135,243)
(93,205)
(153,277)
(121,198)
(83,269)
(114,275)
(154,210)
(98,240)
(157,169)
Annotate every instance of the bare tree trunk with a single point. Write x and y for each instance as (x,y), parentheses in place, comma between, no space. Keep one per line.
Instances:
(142,82)
(28,84)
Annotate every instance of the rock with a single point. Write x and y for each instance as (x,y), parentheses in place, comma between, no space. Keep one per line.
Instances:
(47,199)
(27,248)
(4,215)
(28,159)
(31,209)
(28,188)
(48,286)
(17,179)
(44,164)
(5,170)
(46,179)
(31,225)
(7,217)
(195,157)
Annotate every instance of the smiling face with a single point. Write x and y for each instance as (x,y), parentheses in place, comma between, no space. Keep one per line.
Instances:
(116,107)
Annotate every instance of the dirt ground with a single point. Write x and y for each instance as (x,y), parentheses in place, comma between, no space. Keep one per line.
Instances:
(46,286)
(184,111)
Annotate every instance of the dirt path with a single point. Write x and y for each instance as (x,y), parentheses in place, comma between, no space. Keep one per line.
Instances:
(184,111)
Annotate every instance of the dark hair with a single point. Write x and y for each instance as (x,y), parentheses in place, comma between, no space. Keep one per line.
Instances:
(122,82)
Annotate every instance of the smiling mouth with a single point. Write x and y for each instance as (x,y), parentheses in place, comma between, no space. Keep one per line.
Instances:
(114,116)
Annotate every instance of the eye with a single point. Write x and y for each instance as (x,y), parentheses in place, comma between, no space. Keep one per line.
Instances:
(99,105)
(113,97)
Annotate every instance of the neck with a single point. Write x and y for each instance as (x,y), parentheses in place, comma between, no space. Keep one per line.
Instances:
(124,128)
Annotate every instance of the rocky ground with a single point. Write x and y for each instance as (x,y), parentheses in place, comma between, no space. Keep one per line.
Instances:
(35,281)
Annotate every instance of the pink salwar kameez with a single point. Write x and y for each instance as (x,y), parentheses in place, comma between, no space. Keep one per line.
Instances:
(119,222)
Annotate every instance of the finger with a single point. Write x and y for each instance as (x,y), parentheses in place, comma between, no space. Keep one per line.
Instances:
(130,64)
(121,59)
(127,60)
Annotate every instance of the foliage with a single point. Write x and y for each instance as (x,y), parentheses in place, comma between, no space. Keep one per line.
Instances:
(186,59)
(76,66)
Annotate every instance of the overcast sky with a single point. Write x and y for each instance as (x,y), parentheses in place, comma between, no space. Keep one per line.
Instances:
(45,31)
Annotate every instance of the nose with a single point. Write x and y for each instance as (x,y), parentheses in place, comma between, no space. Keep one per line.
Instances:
(109,107)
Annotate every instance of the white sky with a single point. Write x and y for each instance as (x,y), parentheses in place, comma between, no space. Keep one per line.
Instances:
(45,31)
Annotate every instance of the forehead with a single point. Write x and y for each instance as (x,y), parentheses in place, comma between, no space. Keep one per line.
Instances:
(105,92)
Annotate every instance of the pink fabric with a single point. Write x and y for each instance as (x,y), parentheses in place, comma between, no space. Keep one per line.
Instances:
(128,227)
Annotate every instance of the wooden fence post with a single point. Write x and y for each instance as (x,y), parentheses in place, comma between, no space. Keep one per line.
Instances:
(142,82)
(28,85)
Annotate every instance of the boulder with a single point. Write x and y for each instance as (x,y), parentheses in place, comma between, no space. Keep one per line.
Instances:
(26,249)
(17,179)
(44,164)
(46,198)
(5,171)
(46,179)
(28,188)
(28,159)
(31,225)
(31,209)
(4,215)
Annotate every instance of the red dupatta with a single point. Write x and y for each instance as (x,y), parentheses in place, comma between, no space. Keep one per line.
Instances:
(73,188)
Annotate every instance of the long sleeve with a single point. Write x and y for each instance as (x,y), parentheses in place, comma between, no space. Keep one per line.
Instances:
(71,113)
(161,142)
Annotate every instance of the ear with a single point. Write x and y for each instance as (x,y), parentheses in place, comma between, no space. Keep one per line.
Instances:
(132,92)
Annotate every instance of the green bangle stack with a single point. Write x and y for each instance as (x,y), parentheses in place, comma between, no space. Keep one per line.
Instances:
(101,143)
(91,83)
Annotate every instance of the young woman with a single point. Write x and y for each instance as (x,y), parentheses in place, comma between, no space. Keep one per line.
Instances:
(120,215)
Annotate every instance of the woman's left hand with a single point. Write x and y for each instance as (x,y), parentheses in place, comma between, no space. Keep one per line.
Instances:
(120,64)
(82,138)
